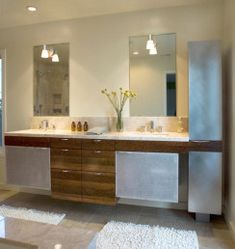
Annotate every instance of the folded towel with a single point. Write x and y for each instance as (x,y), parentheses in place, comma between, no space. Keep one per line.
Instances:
(97,131)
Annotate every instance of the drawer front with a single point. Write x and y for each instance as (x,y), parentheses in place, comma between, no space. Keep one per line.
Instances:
(66,159)
(65,143)
(98,144)
(98,186)
(26,141)
(66,182)
(98,161)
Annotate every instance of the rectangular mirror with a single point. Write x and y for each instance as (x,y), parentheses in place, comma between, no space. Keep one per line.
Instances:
(153,75)
(51,80)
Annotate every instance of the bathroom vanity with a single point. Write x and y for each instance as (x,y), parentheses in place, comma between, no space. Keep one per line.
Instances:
(89,168)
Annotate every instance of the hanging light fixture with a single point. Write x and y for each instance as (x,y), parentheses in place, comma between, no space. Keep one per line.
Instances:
(150,43)
(55,57)
(153,51)
(44,53)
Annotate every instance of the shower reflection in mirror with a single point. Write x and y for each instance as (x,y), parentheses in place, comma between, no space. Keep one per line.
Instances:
(51,80)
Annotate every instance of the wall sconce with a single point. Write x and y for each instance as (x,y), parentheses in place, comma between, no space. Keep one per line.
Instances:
(49,53)
(44,53)
(150,43)
(153,51)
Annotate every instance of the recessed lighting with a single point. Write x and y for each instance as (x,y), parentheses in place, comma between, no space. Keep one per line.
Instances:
(31,8)
(136,53)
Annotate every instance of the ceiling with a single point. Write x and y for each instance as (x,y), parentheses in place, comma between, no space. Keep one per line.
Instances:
(14,13)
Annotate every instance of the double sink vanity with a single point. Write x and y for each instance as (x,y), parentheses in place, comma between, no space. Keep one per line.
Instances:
(99,168)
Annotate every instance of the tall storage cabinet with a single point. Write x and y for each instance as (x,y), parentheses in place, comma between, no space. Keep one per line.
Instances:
(205,124)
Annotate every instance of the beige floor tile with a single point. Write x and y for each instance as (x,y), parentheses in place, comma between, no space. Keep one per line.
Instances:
(83,221)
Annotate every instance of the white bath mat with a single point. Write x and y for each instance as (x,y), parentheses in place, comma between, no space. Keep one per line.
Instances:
(118,235)
(31,214)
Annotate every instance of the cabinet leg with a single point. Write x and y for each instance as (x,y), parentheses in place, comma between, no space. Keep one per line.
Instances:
(202,217)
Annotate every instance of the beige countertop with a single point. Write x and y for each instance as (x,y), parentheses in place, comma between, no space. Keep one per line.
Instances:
(126,135)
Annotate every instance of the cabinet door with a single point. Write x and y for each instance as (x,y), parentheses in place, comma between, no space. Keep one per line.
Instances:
(98,161)
(28,167)
(147,176)
(98,187)
(205,182)
(66,184)
(66,159)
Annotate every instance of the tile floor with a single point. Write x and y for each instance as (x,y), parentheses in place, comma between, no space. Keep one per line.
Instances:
(83,221)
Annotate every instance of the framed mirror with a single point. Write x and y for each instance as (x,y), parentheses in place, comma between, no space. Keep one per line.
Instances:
(153,75)
(51,80)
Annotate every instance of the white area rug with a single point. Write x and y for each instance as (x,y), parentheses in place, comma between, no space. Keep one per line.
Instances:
(118,235)
(31,214)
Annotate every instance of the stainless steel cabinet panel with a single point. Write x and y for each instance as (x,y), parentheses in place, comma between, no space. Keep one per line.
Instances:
(28,167)
(147,176)
(205,90)
(205,182)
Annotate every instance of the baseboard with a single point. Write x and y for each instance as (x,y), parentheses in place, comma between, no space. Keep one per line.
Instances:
(25,190)
(230,225)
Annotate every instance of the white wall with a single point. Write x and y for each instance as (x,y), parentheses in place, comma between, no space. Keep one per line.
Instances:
(229,72)
(148,81)
(99,56)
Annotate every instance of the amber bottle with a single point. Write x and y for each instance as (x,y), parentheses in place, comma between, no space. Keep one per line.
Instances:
(79,126)
(73,126)
(85,126)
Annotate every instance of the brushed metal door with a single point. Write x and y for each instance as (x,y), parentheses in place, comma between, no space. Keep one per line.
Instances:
(28,167)
(205,90)
(205,182)
(147,176)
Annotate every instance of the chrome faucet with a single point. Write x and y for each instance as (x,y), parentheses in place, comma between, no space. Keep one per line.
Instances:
(45,124)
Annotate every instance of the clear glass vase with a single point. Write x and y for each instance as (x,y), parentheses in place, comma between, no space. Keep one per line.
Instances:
(119,123)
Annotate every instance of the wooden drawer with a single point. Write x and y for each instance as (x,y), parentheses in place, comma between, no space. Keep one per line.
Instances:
(66,184)
(98,187)
(98,144)
(98,161)
(65,143)
(66,159)
(26,141)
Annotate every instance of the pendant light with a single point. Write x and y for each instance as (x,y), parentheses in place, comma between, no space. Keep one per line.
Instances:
(150,43)
(153,51)
(45,53)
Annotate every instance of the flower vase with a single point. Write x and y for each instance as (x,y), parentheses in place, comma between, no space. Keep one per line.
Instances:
(119,123)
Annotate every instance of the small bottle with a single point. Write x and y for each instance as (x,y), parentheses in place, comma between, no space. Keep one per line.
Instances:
(79,126)
(73,126)
(85,126)
(180,125)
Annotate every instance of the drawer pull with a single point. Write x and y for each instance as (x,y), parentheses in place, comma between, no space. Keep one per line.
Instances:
(97,151)
(98,174)
(97,140)
(65,171)
(64,139)
(65,150)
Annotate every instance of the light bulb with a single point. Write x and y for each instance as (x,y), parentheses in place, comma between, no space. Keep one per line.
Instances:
(55,57)
(45,53)
(150,43)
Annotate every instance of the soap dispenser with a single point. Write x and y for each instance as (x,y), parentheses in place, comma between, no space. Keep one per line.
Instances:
(85,126)
(73,126)
(180,125)
(79,126)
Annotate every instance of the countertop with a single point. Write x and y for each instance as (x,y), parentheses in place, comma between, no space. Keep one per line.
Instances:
(126,135)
